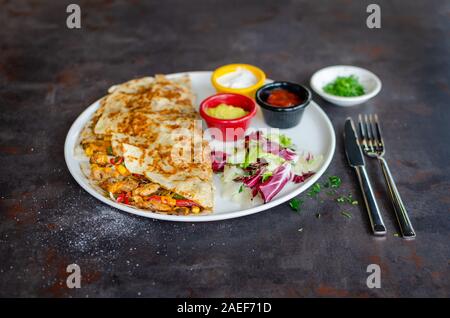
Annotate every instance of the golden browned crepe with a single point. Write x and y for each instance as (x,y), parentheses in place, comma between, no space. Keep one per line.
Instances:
(146,150)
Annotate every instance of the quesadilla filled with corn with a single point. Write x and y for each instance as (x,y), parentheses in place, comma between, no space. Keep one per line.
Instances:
(145,148)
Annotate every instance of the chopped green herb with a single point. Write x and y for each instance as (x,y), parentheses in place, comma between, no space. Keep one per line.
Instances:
(315,190)
(331,184)
(109,151)
(241,188)
(347,199)
(335,182)
(341,199)
(178,197)
(345,86)
(346,214)
(295,204)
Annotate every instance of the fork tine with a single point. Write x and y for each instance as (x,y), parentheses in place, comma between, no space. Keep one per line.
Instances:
(378,130)
(374,133)
(362,132)
(369,133)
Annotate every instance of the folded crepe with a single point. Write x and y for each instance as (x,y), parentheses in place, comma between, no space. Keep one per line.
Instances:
(146,150)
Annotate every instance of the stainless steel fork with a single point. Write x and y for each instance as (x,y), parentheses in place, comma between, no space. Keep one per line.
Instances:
(373,146)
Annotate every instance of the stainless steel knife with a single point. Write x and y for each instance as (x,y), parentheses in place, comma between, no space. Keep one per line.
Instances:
(356,160)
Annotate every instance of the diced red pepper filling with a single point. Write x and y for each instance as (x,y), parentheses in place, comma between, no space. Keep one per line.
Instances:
(123,198)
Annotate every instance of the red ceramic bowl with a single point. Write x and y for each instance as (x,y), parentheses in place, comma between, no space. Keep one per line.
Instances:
(228,129)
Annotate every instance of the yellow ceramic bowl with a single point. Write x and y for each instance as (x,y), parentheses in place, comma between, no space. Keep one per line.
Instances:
(247,91)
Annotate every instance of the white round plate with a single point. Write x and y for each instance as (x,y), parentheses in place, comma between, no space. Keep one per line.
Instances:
(315,134)
(370,82)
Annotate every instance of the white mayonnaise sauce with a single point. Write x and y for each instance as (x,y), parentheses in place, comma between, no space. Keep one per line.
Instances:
(240,78)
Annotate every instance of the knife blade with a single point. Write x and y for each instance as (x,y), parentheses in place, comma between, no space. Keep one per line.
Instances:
(352,148)
(355,159)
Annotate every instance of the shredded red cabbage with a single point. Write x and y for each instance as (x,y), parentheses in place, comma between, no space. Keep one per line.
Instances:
(255,191)
(266,144)
(301,178)
(218,160)
(287,154)
(254,171)
(254,180)
(276,182)
(256,165)
(273,147)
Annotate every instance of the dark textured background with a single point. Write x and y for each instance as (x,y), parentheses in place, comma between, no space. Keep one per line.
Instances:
(49,74)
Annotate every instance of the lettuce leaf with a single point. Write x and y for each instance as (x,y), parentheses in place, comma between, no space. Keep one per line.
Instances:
(281,139)
(273,161)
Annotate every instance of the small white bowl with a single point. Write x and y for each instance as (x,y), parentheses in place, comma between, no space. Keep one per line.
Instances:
(370,82)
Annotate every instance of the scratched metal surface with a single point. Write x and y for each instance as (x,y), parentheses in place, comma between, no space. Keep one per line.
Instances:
(49,74)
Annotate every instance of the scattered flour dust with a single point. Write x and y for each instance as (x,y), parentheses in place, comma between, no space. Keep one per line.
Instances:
(99,231)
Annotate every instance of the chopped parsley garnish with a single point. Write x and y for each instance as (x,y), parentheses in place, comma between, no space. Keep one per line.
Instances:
(315,190)
(345,86)
(241,188)
(346,214)
(296,204)
(341,199)
(109,151)
(333,182)
(347,199)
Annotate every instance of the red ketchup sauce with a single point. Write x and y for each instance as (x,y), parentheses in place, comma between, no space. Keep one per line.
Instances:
(283,98)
